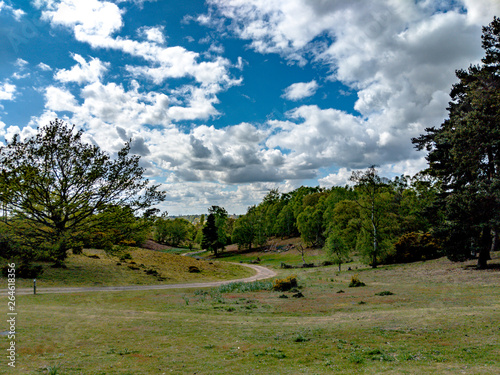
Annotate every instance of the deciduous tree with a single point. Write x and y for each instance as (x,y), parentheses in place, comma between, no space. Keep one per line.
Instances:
(58,184)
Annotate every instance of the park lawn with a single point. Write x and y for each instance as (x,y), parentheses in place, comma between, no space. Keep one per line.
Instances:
(96,268)
(281,253)
(442,318)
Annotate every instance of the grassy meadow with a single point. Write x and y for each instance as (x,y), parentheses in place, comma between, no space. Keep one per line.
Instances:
(135,266)
(434,317)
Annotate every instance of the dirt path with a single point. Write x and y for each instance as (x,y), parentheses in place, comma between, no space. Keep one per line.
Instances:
(261,274)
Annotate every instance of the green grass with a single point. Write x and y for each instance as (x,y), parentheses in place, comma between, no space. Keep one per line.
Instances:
(274,259)
(441,319)
(144,267)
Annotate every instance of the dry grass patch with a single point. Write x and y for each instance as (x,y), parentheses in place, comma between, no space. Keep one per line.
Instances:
(143,267)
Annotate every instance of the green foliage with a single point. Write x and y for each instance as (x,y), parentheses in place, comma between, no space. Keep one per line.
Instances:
(58,185)
(114,226)
(311,225)
(464,153)
(356,282)
(24,271)
(9,247)
(336,250)
(285,225)
(385,293)
(210,239)
(215,232)
(375,201)
(250,228)
(241,287)
(414,247)
(172,232)
(283,285)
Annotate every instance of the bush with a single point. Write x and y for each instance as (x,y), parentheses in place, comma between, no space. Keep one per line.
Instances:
(125,256)
(385,293)
(355,282)
(415,247)
(24,271)
(241,287)
(283,285)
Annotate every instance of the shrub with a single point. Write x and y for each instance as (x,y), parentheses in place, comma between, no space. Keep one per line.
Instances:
(24,271)
(283,285)
(241,287)
(125,256)
(385,293)
(415,247)
(152,272)
(355,282)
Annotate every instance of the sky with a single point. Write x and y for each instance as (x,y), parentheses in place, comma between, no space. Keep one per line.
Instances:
(225,100)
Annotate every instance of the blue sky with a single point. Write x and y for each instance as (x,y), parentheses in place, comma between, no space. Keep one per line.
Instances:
(227,99)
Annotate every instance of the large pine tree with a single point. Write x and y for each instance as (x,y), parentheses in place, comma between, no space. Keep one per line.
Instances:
(464,154)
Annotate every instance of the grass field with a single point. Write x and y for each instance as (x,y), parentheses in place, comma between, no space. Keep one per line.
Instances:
(441,318)
(96,268)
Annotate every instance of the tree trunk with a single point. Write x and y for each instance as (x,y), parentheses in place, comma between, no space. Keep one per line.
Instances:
(374,255)
(494,240)
(486,243)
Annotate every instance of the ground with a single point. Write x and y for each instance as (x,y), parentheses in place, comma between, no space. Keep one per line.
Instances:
(441,318)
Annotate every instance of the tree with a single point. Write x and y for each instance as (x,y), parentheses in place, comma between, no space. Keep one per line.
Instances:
(209,240)
(464,153)
(336,249)
(310,225)
(58,184)
(173,232)
(345,223)
(250,228)
(372,205)
(285,222)
(215,231)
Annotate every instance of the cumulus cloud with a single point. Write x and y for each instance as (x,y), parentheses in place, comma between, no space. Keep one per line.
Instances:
(481,11)
(7,91)
(399,59)
(83,72)
(91,17)
(153,34)
(300,90)
(58,99)
(95,22)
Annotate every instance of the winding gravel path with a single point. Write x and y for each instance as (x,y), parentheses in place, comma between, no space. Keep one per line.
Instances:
(262,273)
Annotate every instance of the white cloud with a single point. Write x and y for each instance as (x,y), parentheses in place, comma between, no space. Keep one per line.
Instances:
(153,34)
(20,63)
(83,72)
(90,17)
(399,58)
(482,11)
(44,67)
(7,91)
(300,90)
(16,13)
(340,178)
(58,99)
(96,22)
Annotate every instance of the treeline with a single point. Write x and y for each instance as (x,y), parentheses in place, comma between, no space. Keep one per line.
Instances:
(385,221)
(378,218)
